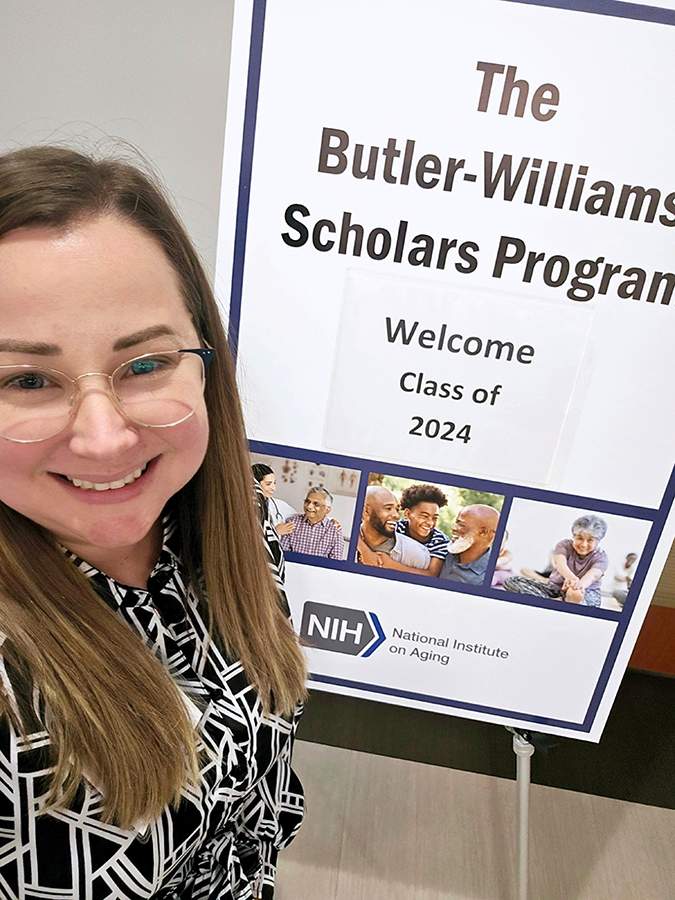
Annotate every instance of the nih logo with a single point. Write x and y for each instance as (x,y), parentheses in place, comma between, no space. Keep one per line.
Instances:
(340,629)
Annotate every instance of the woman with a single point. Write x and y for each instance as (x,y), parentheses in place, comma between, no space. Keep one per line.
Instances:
(277,510)
(275,555)
(623,578)
(150,679)
(578,566)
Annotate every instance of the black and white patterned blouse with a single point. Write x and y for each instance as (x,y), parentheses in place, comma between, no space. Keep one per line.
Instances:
(275,555)
(222,841)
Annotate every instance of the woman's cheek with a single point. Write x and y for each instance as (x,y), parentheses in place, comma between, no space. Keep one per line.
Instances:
(190,439)
(20,464)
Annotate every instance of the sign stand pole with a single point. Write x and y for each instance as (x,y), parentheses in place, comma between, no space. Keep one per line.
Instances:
(523,750)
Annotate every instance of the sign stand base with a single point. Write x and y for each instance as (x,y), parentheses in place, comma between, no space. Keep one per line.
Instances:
(524,751)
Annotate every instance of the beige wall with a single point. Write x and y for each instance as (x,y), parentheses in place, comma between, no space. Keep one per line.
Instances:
(665,591)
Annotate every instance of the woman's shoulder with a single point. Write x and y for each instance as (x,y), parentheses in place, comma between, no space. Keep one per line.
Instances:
(21,703)
(25,744)
(9,709)
(7,696)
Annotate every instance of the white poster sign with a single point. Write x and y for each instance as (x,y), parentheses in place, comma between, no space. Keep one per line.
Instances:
(445,254)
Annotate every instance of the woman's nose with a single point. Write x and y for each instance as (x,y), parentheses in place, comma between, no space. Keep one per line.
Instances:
(98,428)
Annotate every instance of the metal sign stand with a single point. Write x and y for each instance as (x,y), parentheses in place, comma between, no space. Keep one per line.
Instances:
(523,750)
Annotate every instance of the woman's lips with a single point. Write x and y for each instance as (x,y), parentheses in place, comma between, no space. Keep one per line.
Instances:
(112,495)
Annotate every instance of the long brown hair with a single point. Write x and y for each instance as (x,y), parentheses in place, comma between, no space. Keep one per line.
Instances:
(112,710)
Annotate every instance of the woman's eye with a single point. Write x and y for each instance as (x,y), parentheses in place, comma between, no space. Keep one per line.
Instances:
(30,381)
(143,366)
(146,366)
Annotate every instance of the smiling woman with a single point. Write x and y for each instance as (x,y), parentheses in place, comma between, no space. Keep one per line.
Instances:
(150,679)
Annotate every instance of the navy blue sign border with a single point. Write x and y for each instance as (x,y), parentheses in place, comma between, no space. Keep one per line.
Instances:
(656,516)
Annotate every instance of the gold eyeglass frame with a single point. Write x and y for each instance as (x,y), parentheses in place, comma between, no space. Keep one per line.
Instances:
(206,355)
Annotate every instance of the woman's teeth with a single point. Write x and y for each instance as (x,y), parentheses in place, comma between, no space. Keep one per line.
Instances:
(108,485)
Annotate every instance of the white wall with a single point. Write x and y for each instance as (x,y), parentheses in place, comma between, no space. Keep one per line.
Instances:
(153,74)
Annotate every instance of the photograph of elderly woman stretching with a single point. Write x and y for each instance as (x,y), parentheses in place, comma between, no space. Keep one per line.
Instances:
(578,566)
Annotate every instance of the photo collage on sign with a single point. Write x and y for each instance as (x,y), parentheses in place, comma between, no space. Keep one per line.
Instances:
(452,536)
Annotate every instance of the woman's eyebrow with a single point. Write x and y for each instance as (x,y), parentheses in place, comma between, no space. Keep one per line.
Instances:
(146,334)
(38,349)
(42,349)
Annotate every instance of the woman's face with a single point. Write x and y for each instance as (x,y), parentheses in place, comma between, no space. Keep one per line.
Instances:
(269,485)
(584,543)
(83,291)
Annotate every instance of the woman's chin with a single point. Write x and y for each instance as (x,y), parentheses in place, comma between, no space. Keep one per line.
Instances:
(112,534)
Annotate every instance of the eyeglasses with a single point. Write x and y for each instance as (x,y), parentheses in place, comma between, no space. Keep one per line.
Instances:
(156,390)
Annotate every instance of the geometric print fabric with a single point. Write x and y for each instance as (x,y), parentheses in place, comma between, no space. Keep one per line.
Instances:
(221,843)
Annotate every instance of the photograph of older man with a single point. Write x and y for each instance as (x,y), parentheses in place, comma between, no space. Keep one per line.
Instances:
(469,549)
(378,539)
(314,531)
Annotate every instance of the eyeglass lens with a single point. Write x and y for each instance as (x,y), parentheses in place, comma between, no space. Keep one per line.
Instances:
(159,390)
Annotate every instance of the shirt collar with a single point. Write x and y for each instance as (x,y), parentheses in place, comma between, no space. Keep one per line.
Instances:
(167,563)
(477,566)
(325,521)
